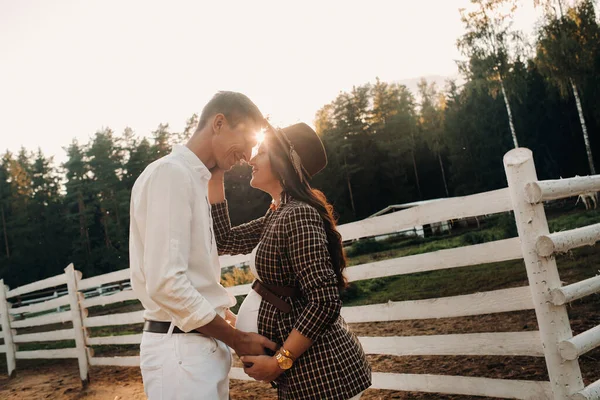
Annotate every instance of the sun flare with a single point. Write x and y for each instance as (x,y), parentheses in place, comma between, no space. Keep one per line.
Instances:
(260,136)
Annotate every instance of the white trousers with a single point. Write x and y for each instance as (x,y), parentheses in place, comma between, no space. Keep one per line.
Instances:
(184,367)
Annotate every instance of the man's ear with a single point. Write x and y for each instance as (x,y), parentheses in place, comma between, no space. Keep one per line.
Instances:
(218,122)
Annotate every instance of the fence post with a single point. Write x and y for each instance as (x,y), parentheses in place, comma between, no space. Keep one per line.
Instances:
(72,278)
(7,330)
(553,321)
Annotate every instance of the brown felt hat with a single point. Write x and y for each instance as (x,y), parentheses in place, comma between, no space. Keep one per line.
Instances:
(307,144)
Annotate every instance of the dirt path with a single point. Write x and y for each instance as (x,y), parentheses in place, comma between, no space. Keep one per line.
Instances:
(60,381)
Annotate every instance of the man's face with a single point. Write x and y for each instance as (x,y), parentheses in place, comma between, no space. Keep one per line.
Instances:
(231,144)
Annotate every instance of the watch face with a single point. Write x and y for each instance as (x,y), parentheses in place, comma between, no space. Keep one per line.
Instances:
(285,363)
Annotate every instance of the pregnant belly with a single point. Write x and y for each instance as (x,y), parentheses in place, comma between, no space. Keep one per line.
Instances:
(247,317)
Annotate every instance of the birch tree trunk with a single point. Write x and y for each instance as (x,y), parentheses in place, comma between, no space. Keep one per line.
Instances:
(510,117)
(586,138)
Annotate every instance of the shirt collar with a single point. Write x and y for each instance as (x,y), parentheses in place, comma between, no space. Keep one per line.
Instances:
(192,160)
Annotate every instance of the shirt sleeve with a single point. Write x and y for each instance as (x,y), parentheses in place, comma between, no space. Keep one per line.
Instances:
(311,262)
(167,248)
(241,239)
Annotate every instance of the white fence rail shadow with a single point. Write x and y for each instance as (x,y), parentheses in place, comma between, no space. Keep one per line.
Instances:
(535,245)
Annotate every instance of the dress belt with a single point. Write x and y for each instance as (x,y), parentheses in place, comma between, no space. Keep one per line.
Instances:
(272,294)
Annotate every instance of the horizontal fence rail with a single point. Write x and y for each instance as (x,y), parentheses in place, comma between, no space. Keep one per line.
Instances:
(561,242)
(497,301)
(55,353)
(575,291)
(43,306)
(448,209)
(470,344)
(591,392)
(536,192)
(63,334)
(580,344)
(491,252)
(53,281)
(488,344)
(116,297)
(504,388)
(97,281)
(134,317)
(56,318)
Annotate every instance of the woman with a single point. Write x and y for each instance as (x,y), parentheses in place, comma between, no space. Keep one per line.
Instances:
(298,260)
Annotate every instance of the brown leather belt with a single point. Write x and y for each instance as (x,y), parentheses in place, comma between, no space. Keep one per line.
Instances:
(162,327)
(272,294)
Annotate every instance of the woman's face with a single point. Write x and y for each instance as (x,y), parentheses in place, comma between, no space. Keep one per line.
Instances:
(263,177)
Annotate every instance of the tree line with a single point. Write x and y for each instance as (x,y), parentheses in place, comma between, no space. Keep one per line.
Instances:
(385,144)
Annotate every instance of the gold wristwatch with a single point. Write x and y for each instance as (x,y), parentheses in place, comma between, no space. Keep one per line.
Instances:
(284,358)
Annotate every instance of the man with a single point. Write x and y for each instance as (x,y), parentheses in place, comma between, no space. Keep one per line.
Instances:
(175,270)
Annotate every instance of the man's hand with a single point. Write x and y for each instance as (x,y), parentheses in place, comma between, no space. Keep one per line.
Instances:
(248,343)
(264,368)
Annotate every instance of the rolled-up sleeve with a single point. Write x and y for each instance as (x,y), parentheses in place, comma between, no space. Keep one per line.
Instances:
(239,240)
(167,248)
(311,262)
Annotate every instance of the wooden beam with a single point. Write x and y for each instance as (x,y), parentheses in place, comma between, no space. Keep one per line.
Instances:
(572,348)
(133,361)
(54,318)
(62,334)
(96,281)
(39,285)
(135,317)
(468,386)
(471,344)
(504,300)
(575,291)
(117,297)
(54,353)
(536,192)
(591,392)
(122,339)
(43,306)
(561,242)
(501,250)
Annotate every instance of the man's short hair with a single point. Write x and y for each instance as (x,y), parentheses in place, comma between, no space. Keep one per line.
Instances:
(234,106)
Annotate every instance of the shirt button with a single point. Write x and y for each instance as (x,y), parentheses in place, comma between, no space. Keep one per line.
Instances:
(179,362)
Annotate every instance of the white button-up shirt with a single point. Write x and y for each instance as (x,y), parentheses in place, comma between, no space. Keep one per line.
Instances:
(174,263)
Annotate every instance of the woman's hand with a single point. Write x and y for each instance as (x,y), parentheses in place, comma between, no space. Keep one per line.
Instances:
(217,174)
(264,368)
(216,186)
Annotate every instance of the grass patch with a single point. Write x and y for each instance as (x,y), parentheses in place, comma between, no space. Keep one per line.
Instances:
(117,330)
(574,220)
(61,344)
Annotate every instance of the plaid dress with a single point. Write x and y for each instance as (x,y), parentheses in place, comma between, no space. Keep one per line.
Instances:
(292,251)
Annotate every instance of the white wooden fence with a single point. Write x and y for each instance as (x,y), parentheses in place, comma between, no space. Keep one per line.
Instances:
(535,245)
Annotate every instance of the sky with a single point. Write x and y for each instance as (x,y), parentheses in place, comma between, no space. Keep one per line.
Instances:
(71,68)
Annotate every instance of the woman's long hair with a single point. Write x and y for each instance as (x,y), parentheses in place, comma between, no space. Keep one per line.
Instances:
(282,166)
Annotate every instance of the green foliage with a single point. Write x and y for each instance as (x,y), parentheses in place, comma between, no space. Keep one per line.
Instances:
(365,247)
